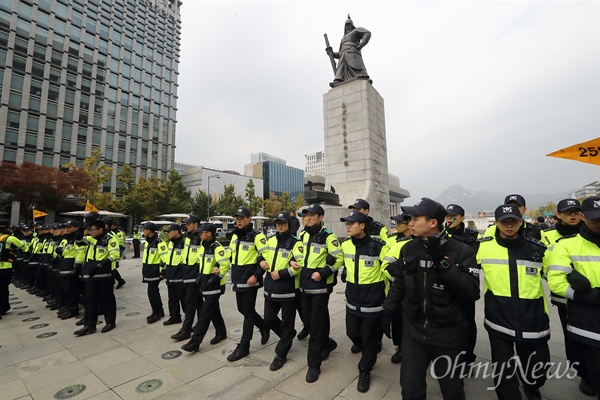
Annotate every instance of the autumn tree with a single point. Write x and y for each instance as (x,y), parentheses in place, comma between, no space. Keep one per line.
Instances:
(44,188)
(272,205)
(99,174)
(299,202)
(144,200)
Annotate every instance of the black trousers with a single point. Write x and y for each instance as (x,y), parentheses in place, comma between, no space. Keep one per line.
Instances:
(315,308)
(193,304)
(117,275)
(176,300)
(529,356)
(591,357)
(154,297)
(246,305)
(210,311)
(284,327)
(416,358)
(5,278)
(136,249)
(70,290)
(469,313)
(100,291)
(31,272)
(365,332)
(572,347)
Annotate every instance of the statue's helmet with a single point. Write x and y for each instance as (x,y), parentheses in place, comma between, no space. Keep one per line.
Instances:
(349,23)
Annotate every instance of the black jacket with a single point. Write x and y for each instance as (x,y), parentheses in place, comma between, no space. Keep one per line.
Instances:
(432,297)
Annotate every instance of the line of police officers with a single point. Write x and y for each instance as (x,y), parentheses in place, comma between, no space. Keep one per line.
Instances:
(424,285)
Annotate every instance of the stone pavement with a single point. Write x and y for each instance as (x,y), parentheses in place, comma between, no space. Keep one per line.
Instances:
(40,358)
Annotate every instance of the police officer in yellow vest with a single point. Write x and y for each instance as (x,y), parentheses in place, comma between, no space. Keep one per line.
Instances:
(516,311)
(66,271)
(213,261)
(527,229)
(8,245)
(136,240)
(376,228)
(395,242)
(112,229)
(101,256)
(246,245)
(574,273)
(365,292)
(154,251)
(322,258)
(173,264)
(282,263)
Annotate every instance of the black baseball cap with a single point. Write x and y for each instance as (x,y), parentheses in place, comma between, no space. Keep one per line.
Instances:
(427,207)
(206,228)
(314,209)
(108,221)
(568,204)
(402,218)
(97,224)
(515,198)
(359,203)
(590,207)
(71,224)
(355,216)
(57,225)
(283,217)
(242,212)
(192,219)
(455,209)
(173,227)
(150,225)
(507,211)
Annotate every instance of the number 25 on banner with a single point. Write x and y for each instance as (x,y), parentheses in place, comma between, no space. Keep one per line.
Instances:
(588,152)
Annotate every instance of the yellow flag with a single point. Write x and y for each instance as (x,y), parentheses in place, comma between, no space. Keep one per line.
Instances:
(587,152)
(38,214)
(89,207)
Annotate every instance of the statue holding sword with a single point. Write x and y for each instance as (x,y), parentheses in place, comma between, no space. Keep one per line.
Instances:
(350,65)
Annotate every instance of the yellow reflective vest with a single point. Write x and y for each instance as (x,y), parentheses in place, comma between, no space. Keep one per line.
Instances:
(281,250)
(246,245)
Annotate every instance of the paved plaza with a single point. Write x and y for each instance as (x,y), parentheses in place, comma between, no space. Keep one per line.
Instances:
(40,358)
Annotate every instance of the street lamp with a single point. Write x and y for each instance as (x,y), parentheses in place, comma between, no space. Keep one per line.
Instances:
(208,194)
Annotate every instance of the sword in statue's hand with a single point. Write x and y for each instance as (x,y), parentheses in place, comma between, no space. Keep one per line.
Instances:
(329,51)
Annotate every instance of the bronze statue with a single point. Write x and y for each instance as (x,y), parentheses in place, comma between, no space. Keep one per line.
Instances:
(350,65)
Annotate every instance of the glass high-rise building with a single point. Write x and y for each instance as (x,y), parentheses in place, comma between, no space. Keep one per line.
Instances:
(81,75)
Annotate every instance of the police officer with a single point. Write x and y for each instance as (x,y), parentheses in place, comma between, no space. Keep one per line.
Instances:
(365,291)
(8,246)
(528,229)
(376,228)
(137,236)
(173,273)
(67,250)
(213,261)
(573,273)
(323,257)
(455,226)
(282,263)
(101,256)
(246,245)
(395,242)
(154,251)
(55,298)
(112,229)
(516,313)
(433,279)
(34,259)
(192,298)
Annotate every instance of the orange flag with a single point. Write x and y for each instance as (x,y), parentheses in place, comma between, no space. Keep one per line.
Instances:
(89,207)
(587,152)
(38,214)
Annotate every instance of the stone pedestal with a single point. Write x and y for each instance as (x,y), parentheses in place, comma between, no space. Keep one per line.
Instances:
(355,151)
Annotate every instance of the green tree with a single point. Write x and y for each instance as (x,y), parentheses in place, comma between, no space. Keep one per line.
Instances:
(126,179)
(253,202)
(228,202)
(272,205)
(177,198)
(550,207)
(98,174)
(286,201)
(200,205)
(145,199)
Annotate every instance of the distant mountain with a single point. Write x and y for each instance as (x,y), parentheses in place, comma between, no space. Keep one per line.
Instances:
(473,201)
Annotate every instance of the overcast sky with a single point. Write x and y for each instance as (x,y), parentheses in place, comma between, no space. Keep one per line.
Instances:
(476,93)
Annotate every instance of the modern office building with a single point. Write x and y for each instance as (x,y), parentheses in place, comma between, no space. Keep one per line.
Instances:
(315,163)
(277,176)
(591,189)
(81,75)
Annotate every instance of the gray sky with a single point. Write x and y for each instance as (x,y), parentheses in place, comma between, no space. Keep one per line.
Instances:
(476,93)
